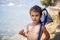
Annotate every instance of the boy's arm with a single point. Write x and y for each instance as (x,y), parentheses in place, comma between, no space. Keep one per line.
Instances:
(26,33)
(23,33)
(46,33)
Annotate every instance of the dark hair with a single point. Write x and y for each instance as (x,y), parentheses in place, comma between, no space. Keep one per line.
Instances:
(36,9)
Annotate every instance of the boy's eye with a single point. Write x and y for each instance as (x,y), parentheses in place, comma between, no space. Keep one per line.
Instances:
(36,15)
(32,15)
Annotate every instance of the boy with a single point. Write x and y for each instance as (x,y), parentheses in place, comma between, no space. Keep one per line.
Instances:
(33,28)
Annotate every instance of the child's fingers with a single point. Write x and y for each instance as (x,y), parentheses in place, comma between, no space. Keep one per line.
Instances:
(21,31)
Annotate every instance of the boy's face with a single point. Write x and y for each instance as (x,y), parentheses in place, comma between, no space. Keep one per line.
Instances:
(35,16)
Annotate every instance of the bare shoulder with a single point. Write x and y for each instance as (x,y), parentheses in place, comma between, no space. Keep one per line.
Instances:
(29,26)
(44,29)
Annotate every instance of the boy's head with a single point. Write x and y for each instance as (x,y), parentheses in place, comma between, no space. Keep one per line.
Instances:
(35,13)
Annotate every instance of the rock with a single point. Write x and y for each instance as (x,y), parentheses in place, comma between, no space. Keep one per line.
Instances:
(57,33)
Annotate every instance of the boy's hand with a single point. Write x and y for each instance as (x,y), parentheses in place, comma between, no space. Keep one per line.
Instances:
(21,32)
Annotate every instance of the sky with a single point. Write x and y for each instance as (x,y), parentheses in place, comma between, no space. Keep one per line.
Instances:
(14,14)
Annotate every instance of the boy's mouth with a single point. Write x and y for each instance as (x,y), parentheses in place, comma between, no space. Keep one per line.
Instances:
(35,22)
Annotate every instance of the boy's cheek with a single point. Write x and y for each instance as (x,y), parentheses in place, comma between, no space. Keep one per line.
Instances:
(38,18)
(32,18)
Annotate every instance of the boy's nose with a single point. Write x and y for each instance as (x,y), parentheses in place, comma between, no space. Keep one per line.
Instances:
(34,18)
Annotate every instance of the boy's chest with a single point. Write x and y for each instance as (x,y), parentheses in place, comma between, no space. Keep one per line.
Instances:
(33,32)
(34,29)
